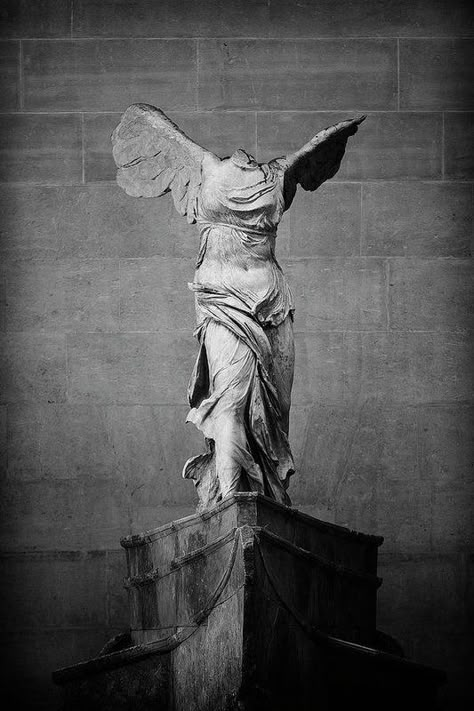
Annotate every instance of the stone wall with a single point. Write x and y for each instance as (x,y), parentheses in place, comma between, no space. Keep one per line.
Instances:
(97,320)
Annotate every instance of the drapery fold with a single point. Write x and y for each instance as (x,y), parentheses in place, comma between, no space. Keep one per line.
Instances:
(234,380)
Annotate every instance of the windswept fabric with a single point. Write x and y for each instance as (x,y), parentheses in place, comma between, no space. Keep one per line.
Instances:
(244,370)
(241,386)
(235,376)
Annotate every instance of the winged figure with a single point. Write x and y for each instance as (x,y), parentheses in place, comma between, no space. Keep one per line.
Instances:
(240,389)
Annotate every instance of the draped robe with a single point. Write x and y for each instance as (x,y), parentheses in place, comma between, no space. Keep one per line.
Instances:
(240,389)
(244,370)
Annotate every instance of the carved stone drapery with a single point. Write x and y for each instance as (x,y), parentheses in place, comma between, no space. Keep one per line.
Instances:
(240,390)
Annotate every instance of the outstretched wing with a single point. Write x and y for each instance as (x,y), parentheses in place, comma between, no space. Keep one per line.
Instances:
(318,160)
(154,156)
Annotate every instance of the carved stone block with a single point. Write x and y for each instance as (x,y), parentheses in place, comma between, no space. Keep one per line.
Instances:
(250,607)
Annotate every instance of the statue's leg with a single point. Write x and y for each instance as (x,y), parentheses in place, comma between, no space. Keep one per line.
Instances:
(231,369)
(283,351)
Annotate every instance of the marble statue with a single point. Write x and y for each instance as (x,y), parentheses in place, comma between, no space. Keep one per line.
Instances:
(240,389)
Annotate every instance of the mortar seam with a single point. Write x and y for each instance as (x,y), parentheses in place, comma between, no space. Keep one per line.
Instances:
(442,146)
(83,160)
(21,80)
(398,74)
(197,74)
(387,293)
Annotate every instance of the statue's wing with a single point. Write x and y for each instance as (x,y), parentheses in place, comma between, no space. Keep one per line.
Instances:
(154,156)
(318,160)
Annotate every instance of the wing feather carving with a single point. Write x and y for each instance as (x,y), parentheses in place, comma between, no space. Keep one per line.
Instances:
(154,157)
(318,160)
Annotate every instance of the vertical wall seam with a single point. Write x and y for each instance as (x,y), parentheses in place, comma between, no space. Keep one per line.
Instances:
(83,158)
(120,295)
(7,420)
(361,211)
(418,444)
(197,75)
(21,81)
(256,136)
(71,20)
(5,304)
(255,133)
(398,74)
(107,590)
(345,365)
(387,293)
(442,146)
(66,360)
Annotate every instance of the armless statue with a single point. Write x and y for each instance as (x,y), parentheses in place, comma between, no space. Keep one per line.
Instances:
(240,389)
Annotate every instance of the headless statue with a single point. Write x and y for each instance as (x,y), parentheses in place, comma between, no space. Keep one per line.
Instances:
(240,389)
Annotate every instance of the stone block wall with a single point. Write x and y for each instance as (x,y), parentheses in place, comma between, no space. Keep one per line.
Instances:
(97,320)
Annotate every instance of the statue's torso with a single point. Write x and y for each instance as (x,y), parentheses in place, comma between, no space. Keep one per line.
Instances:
(238,213)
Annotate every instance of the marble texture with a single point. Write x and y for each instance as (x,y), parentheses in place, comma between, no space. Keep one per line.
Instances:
(240,389)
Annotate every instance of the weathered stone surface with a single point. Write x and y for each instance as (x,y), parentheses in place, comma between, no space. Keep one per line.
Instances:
(89,513)
(458,142)
(141,448)
(283,240)
(281,18)
(154,294)
(261,639)
(436,220)
(326,224)
(33,512)
(36,18)
(63,295)
(454,650)
(265,74)
(140,685)
(342,444)
(453,518)
(33,368)
(40,148)
(62,442)
(427,590)
(3,440)
(324,288)
(3,298)
(133,368)
(33,653)
(145,515)
(392,146)
(103,500)
(220,132)
(9,65)
(431,294)
(98,160)
(410,523)
(107,76)
(117,603)
(407,367)
(446,435)
(76,582)
(184,581)
(436,74)
(318,368)
(40,223)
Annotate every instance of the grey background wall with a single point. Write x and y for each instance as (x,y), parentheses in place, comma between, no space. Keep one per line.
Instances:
(97,320)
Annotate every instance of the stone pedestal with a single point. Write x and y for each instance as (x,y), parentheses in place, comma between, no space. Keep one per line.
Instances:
(252,606)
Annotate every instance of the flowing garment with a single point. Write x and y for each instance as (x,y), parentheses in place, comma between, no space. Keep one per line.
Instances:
(241,385)
(240,389)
